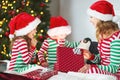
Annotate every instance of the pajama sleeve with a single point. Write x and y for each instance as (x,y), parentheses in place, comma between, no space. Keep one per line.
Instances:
(96,59)
(23,49)
(114,58)
(71,44)
(43,50)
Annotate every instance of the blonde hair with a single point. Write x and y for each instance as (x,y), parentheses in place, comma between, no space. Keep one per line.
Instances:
(105,28)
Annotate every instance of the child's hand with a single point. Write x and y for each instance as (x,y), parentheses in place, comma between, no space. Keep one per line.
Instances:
(86,54)
(61,42)
(84,68)
(44,64)
(33,42)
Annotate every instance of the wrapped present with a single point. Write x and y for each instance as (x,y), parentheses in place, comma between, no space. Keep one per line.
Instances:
(67,60)
(118,76)
(40,75)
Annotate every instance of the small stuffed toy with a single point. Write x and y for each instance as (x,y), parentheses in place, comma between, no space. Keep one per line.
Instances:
(84,44)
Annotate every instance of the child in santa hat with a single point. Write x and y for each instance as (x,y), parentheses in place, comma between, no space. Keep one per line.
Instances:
(59,29)
(108,35)
(22,31)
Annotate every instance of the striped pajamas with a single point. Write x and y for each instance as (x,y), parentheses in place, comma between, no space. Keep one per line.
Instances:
(109,55)
(20,56)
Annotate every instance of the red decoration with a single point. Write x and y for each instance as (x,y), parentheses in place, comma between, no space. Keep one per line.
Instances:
(23,3)
(39,75)
(11,12)
(39,16)
(7,34)
(41,37)
(42,5)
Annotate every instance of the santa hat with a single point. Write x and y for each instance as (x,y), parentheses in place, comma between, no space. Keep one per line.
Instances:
(102,10)
(22,24)
(58,25)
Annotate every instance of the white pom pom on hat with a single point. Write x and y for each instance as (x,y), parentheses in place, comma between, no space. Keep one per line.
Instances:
(102,10)
(22,24)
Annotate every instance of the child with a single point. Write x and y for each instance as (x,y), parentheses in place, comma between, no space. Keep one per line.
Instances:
(22,31)
(59,29)
(108,36)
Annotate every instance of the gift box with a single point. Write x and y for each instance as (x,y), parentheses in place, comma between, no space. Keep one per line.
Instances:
(118,76)
(40,75)
(67,60)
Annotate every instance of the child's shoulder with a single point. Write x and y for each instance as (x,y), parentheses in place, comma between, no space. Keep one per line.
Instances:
(20,39)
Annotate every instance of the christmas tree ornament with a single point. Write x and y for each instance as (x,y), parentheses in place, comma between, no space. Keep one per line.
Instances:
(42,4)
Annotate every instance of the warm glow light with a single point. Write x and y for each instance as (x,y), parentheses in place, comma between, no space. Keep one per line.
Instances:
(6,1)
(32,11)
(1,36)
(41,13)
(41,31)
(11,7)
(46,0)
(17,10)
(9,4)
(4,7)
(14,1)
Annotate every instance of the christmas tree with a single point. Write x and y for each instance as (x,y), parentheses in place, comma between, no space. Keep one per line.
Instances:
(10,8)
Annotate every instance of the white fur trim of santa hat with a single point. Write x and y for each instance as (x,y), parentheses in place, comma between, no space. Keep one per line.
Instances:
(32,25)
(102,10)
(59,30)
(58,26)
(101,16)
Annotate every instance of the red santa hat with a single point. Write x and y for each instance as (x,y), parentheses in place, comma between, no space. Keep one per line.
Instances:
(58,25)
(102,10)
(22,24)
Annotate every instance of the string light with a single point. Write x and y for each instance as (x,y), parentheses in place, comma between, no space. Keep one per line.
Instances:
(1,35)
(4,7)
(32,11)
(41,31)
(9,4)
(2,52)
(12,7)
(38,63)
(1,22)
(7,55)
(6,1)
(46,1)
(32,14)
(6,20)
(2,1)
(4,48)
(27,3)
(41,12)
(14,1)
(17,10)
